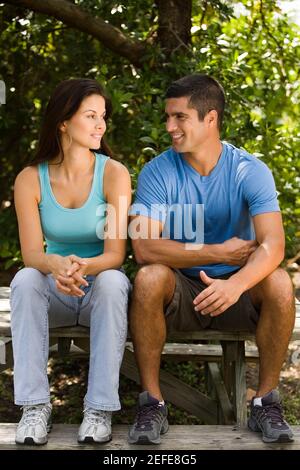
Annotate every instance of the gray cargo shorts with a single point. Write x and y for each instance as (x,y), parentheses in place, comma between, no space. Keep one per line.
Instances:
(181,316)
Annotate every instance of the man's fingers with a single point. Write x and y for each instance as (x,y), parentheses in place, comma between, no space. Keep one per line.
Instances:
(207,302)
(203,295)
(219,310)
(211,309)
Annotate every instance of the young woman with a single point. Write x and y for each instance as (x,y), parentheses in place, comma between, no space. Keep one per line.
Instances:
(62,197)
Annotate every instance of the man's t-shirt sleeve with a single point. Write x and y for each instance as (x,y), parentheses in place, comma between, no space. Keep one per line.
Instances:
(151,195)
(259,189)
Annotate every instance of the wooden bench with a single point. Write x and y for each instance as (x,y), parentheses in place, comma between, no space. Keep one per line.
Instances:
(225,364)
(180,437)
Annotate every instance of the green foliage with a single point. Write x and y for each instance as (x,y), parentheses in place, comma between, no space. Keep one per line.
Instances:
(255,54)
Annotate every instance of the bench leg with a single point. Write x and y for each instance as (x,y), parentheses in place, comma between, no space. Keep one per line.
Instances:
(177,392)
(6,344)
(64,345)
(225,415)
(240,399)
(234,373)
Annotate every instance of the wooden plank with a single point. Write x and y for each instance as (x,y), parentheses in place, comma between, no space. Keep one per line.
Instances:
(64,345)
(199,352)
(7,357)
(176,391)
(196,437)
(83,344)
(4,293)
(221,394)
(234,374)
(229,355)
(239,385)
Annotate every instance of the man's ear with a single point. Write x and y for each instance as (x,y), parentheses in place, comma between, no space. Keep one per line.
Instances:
(212,117)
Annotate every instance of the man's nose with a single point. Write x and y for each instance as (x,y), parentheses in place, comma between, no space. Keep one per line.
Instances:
(171,125)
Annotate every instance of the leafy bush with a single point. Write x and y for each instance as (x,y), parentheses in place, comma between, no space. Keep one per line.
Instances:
(255,55)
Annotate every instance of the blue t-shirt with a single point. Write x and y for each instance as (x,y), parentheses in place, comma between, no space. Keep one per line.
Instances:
(206,209)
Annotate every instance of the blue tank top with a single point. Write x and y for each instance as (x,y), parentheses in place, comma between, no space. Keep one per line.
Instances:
(74,231)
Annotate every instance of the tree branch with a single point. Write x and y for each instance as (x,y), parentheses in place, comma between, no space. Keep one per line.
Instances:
(72,15)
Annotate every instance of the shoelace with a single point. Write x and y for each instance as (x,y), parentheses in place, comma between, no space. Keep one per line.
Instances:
(95,416)
(32,415)
(274,412)
(145,415)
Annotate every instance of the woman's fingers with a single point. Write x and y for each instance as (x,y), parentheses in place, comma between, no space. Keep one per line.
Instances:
(68,286)
(62,288)
(75,266)
(68,281)
(77,291)
(80,279)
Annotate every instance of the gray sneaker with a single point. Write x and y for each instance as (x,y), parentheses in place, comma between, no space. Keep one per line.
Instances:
(95,427)
(150,422)
(34,425)
(269,420)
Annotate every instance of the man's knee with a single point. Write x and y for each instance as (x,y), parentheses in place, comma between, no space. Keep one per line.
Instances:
(154,280)
(278,279)
(277,287)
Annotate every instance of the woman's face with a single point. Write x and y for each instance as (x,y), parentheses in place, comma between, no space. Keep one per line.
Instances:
(87,126)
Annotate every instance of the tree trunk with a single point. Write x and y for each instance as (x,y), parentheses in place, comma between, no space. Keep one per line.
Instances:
(174,24)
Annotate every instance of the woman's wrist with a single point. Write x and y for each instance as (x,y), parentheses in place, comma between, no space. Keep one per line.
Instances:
(50,259)
(87,266)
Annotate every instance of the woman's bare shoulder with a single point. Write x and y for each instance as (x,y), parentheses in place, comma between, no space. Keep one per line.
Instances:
(115,169)
(28,180)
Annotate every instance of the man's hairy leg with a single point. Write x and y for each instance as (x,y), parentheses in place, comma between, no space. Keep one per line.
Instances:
(153,289)
(275,298)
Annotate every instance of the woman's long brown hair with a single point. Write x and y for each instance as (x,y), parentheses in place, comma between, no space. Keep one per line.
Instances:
(63,104)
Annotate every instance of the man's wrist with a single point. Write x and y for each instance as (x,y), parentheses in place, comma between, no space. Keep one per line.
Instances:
(219,255)
(239,281)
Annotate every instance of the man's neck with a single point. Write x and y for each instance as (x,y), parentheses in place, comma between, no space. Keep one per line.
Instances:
(205,159)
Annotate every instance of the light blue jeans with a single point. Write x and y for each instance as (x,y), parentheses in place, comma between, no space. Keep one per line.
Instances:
(37,305)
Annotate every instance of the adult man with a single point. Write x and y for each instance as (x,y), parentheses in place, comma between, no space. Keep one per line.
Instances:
(231,281)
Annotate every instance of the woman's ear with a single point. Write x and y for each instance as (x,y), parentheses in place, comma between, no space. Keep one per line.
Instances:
(62,127)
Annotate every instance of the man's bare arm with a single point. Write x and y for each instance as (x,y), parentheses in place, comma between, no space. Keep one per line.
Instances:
(221,294)
(149,248)
(269,254)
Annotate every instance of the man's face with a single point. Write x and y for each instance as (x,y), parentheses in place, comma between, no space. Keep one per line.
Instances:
(183,125)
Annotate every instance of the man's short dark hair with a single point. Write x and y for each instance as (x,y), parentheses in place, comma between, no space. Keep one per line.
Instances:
(205,94)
